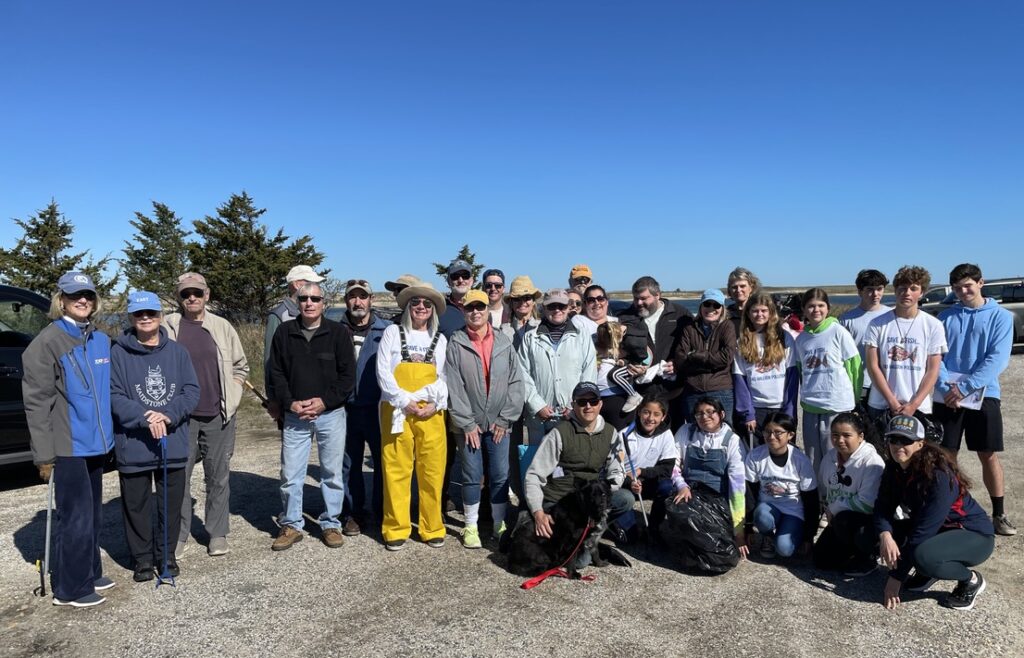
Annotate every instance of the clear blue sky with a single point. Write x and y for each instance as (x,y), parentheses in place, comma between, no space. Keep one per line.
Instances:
(803,140)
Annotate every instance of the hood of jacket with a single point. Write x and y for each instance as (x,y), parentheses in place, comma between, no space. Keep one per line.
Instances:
(825,324)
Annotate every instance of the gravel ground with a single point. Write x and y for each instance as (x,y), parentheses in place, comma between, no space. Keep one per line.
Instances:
(363,600)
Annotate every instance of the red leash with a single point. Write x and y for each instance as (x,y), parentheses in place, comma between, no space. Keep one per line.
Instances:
(560,571)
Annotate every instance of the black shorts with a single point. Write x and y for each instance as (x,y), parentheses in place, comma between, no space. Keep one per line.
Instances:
(983,427)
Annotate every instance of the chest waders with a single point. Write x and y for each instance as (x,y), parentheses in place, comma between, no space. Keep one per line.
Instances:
(422,444)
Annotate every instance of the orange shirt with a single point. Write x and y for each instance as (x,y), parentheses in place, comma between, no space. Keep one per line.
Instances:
(483,343)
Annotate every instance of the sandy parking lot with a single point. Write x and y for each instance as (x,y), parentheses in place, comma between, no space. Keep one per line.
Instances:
(362,600)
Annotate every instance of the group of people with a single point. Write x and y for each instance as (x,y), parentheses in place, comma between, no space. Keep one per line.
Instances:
(521,394)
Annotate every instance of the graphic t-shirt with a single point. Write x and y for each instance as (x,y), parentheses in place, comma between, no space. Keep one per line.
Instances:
(821,357)
(904,346)
(780,486)
(767,385)
(856,321)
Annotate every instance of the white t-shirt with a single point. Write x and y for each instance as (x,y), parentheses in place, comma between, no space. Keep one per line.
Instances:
(780,486)
(767,386)
(903,350)
(856,321)
(389,355)
(652,321)
(648,451)
(496,317)
(821,357)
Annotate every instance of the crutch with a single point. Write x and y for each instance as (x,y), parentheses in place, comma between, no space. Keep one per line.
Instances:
(165,575)
(44,566)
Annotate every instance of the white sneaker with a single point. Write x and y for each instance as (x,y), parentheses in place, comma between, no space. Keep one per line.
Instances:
(632,402)
(218,546)
(180,550)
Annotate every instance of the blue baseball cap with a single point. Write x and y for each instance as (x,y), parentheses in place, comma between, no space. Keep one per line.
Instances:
(586,390)
(713,295)
(73,282)
(143,300)
(459,265)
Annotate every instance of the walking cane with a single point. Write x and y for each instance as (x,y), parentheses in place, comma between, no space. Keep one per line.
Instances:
(632,469)
(165,575)
(44,567)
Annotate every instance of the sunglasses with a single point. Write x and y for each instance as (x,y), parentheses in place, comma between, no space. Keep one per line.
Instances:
(146,313)
(901,440)
(522,300)
(191,292)
(81,294)
(316,299)
(556,307)
(575,303)
(711,305)
(476,307)
(580,280)
(493,286)
(460,276)
(420,301)
(357,282)
(587,402)
(600,299)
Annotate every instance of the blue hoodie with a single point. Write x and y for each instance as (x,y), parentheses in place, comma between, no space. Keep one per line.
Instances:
(145,379)
(980,341)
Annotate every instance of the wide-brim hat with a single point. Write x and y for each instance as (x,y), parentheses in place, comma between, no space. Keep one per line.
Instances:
(422,289)
(401,283)
(521,287)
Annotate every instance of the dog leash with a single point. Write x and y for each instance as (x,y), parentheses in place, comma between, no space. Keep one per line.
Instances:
(560,571)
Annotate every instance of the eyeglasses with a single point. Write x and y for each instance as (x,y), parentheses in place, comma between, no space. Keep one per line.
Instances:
(146,313)
(705,414)
(556,307)
(901,440)
(714,306)
(580,280)
(476,307)
(493,286)
(522,300)
(460,276)
(420,301)
(81,294)
(600,299)
(587,402)
(777,434)
(316,299)
(575,303)
(191,292)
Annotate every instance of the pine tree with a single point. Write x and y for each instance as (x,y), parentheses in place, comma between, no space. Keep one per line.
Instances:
(244,267)
(40,257)
(157,254)
(466,255)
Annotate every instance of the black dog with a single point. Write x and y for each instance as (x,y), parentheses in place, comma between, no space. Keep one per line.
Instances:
(585,507)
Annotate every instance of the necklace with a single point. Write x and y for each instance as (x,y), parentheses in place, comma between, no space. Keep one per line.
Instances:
(903,336)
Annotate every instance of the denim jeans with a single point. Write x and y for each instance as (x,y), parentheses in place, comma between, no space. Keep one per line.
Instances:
(472,461)
(296,441)
(788,529)
(725,397)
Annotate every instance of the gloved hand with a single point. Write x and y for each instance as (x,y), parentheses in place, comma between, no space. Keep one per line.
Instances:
(45,471)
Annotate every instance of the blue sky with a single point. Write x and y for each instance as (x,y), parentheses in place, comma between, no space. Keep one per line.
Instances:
(803,140)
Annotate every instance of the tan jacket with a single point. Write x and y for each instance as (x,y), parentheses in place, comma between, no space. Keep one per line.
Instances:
(234,368)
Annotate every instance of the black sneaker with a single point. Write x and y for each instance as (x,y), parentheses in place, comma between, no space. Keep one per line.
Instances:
(919,582)
(143,572)
(965,594)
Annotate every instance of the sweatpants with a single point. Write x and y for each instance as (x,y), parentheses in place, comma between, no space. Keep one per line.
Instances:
(212,443)
(137,505)
(817,437)
(76,532)
(948,555)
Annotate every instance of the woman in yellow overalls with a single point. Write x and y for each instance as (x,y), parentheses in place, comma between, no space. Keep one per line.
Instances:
(410,370)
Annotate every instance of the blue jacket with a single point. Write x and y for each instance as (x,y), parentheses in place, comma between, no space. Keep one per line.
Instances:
(145,379)
(980,340)
(66,389)
(367,392)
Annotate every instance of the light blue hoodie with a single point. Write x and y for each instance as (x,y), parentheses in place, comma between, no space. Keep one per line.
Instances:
(980,340)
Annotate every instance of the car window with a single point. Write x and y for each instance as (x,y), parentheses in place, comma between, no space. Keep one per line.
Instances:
(935,295)
(20,322)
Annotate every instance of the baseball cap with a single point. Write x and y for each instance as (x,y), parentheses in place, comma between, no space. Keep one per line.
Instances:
(73,282)
(475,296)
(357,284)
(401,283)
(713,295)
(303,273)
(493,272)
(192,280)
(581,270)
(586,390)
(459,265)
(143,300)
(556,296)
(907,427)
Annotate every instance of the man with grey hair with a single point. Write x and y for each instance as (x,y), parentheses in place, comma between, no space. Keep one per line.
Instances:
(313,371)
(286,309)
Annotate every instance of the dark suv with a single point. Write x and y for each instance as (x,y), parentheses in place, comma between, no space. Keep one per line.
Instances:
(22,317)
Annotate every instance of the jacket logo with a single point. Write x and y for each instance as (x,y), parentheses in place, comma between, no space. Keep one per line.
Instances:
(156,385)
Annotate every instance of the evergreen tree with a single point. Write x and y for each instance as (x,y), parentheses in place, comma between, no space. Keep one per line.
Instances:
(157,254)
(466,255)
(244,267)
(40,257)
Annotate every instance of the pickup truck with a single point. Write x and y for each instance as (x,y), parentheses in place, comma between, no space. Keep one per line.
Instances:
(1010,297)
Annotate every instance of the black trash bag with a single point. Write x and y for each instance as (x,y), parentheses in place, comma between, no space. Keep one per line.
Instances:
(700,532)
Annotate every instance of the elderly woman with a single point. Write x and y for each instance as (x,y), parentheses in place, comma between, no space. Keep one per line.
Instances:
(522,298)
(485,397)
(555,357)
(411,374)
(705,355)
(742,285)
(153,391)
(66,388)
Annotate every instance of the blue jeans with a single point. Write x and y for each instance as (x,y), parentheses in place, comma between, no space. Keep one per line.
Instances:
(725,397)
(788,529)
(472,460)
(296,441)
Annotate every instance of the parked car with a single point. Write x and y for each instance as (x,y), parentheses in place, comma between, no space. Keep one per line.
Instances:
(939,297)
(1009,295)
(22,317)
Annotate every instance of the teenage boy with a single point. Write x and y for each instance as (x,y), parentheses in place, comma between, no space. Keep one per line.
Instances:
(870,288)
(980,335)
(904,350)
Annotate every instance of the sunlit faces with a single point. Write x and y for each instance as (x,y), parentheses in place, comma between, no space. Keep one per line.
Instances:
(708,418)
(646,302)
(777,438)
(711,311)
(815,311)
(870,296)
(908,295)
(739,291)
(78,305)
(311,303)
(595,305)
(494,287)
(460,282)
(579,283)
(758,316)
(587,408)
(575,301)
(651,416)
(902,449)
(968,291)
(146,322)
(846,439)
(357,303)
(522,307)
(556,313)
(477,316)
(193,300)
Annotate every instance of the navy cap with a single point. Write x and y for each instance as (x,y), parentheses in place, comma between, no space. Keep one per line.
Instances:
(586,390)
(493,272)
(73,282)
(143,300)
(459,265)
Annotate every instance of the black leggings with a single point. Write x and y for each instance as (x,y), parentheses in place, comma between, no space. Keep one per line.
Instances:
(849,537)
(948,555)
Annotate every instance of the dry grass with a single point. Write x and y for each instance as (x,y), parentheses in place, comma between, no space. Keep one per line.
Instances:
(251,414)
